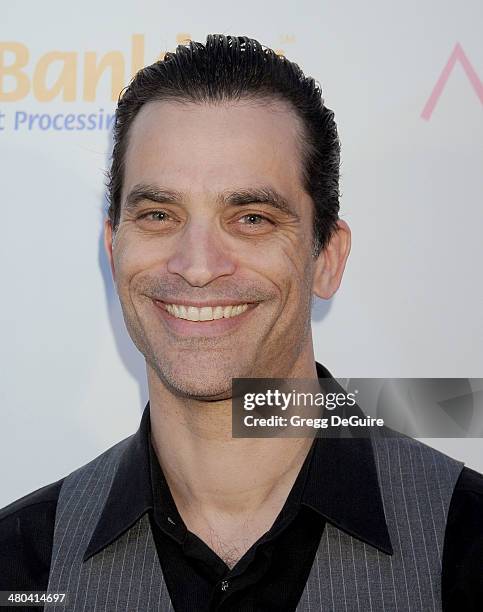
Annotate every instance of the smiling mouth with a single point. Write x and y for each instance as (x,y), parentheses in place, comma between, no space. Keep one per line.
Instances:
(204,313)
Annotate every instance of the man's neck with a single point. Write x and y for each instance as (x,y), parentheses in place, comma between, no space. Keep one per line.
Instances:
(208,469)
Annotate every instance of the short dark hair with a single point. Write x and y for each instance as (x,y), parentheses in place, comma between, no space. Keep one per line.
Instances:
(229,68)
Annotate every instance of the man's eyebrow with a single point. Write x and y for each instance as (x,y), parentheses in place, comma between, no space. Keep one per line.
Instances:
(142,192)
(258,195)
(237,197)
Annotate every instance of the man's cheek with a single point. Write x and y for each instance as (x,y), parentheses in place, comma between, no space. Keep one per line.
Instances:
(129,261)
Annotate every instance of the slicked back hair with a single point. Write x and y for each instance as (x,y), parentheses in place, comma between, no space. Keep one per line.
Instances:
(232,68)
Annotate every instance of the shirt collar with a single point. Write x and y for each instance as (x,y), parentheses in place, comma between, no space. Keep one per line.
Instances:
(130,495)
(341,484)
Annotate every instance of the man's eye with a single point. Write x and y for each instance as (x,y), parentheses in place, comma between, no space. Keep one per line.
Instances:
(155,215)
(253,219)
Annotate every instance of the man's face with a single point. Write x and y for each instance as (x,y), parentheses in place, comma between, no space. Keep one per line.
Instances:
(195,237)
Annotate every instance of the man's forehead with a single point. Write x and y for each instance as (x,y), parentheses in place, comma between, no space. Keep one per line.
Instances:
(211,147)
(239,124)
(261,107)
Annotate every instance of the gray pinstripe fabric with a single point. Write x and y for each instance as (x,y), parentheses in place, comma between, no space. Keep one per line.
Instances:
(125,576)
(347,574)
(417,483)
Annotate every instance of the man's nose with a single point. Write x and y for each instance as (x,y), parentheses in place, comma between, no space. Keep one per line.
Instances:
(200,255)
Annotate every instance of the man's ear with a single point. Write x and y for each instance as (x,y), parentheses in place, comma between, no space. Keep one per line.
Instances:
(108,238)
(331,261)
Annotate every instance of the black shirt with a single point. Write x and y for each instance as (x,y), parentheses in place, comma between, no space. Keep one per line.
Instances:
(272,574)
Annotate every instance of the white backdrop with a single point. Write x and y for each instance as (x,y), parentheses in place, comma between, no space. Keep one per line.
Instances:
(404,81)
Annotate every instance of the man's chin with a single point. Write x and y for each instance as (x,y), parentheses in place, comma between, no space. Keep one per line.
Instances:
(206,381)
(199,389)
(204,375)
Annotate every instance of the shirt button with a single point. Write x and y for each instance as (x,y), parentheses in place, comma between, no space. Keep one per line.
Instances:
(224,585)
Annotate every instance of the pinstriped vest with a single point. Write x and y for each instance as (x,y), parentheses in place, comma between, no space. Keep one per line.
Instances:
(416,482)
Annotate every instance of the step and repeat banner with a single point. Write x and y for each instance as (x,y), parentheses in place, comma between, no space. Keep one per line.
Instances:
(405,82)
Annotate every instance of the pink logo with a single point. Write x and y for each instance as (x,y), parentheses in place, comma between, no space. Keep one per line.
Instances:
(457,55)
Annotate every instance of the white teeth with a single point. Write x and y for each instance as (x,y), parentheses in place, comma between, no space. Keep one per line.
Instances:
(206,313)
(193,313)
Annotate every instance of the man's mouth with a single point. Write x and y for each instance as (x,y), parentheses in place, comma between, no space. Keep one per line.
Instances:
(204,319)
(205,313)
